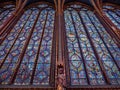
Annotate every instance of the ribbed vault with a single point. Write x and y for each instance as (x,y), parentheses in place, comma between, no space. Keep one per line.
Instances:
(88,2)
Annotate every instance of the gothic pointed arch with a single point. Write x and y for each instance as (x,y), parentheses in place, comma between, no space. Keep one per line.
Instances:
(26,54)
(92,55)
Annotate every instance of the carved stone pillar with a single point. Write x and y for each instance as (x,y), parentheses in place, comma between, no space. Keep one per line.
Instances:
(60,68)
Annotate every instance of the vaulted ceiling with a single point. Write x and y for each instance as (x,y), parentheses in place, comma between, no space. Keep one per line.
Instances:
(68,1)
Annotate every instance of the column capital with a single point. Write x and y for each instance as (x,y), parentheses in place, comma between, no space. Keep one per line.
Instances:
(97,4)
(59,4)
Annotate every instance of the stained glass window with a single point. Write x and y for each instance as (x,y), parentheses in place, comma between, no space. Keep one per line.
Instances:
(5,13)
(113,14)
(25,54)
(93,56)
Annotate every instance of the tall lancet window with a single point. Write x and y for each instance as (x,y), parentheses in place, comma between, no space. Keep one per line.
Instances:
(5,12)
(26,53)
(113,13)
(93,56)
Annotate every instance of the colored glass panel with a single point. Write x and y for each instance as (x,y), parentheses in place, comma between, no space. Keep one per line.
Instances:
(5,49)
(101,47)
(91,41)
(77,71)
(34,31)
(42,73)
(113,14)
(93,68)
(112,48)
(5,13)
(24,72)
(16,50)
(92,65)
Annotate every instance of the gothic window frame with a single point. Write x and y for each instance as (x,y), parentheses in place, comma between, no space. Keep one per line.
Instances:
(53,51)
(66,49)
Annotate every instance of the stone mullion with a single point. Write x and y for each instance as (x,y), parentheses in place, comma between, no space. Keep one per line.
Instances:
(38,51)
(66,56)
(113,28)
(12,19)
(114,12)
(106,20)
(7,23)
(83,60)
(113,17)
(5,15)
(105,44)
(53,56)
(7,31)
(23,52)
(5,10)
(95,51)
(2,62)
(108,29)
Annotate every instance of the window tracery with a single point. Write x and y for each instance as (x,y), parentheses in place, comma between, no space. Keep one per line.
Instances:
(25,54)
(93,55)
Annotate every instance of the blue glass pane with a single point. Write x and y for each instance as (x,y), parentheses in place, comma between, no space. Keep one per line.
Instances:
(5,13)
(15,48)
(26,68)
(100,44)
(37,38)
(42,72)
(113,14)
(80,45)
(77,71)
